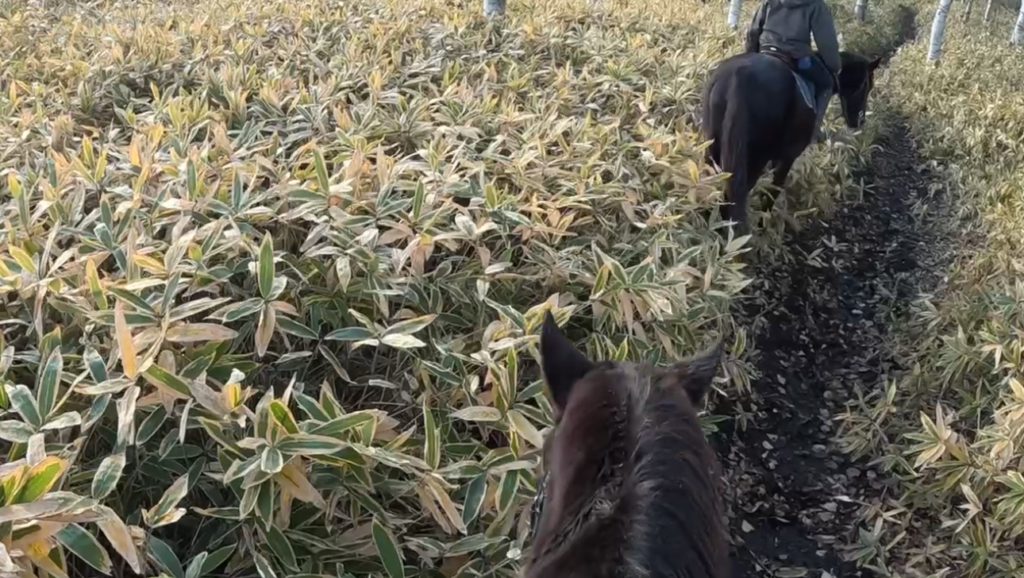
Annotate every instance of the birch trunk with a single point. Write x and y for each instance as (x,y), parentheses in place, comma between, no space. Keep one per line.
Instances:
(494,7)
(988,12)
(1018,28)
(734,13)
(938,30)
(861,10)
(967,10)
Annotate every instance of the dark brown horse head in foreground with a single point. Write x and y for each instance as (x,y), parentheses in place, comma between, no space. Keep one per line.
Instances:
(631,484)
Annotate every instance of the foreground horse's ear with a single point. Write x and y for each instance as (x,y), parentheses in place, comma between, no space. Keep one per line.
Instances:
(562,364)
(874,64)
(697,372)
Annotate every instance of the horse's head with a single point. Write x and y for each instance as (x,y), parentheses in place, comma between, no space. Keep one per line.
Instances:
(567,371)
(626,445)
(856,79)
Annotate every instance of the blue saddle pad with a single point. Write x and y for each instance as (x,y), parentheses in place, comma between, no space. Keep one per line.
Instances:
(806,90)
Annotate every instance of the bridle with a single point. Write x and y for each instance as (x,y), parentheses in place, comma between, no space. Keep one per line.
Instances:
(538,504)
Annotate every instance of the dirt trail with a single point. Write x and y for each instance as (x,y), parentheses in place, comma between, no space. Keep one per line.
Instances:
(820,318)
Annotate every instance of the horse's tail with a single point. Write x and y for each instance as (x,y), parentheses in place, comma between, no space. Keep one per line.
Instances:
(734,153)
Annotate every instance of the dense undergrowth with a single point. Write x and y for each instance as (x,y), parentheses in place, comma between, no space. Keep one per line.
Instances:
(949,431)
(272,271)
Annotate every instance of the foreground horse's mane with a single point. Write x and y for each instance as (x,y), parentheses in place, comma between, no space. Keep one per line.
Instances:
(631,486)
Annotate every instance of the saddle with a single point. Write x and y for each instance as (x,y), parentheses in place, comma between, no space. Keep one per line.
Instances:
(803,85)
(786,59)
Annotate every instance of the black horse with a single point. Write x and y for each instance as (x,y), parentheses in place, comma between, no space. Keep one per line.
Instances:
(754,113)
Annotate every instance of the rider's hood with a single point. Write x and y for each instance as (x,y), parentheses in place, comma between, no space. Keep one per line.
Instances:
(794,3)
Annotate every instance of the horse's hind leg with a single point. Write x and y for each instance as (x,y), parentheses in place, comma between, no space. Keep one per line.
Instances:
(740,195)
(779,175)
(736,208)
(713,159)
(781,171)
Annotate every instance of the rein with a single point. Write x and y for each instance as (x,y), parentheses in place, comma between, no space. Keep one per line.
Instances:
(538,505)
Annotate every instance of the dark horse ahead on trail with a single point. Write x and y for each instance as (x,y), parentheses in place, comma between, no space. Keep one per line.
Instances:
(631,484)
(755,114)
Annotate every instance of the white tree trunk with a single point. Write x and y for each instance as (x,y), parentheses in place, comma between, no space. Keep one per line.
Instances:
(494,7)
(734,13)
(938,30)
(1018,28)
(967,9)
(988,12)
(861,10)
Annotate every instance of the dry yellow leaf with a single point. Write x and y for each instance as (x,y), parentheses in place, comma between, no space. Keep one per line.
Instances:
(39,552)
(428,505)
(41,531)
(265,330)
(292,478)
(124,341)
(120,538)
(446,503)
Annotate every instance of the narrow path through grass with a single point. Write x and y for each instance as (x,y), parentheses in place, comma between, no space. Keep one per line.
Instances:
(821,317)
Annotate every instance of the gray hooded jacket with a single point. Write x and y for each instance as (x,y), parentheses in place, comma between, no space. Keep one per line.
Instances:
(788,26)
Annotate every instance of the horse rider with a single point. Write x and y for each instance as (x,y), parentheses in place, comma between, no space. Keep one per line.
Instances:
(785,27)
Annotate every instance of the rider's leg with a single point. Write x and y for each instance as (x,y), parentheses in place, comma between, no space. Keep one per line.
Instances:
(823,93)
(820,108)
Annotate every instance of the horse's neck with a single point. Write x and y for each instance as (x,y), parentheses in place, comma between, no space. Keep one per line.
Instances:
(584,534)
(592,534)
(597,550)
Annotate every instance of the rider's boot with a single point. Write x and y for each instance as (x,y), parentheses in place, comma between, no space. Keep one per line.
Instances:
(819,115)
